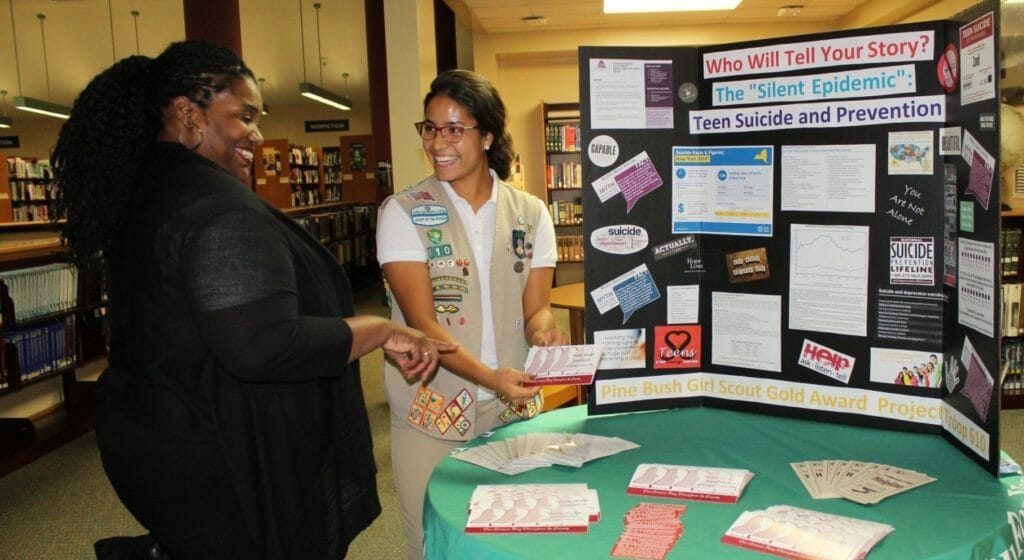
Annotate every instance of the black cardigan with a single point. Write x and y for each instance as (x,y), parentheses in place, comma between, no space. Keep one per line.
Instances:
(226,322)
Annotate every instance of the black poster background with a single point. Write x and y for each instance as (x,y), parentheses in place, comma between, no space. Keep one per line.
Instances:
(652,212)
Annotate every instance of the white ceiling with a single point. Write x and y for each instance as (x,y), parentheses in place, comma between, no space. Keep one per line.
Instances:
(84,36)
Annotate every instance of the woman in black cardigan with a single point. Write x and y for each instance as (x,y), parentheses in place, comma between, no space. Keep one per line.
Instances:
(231,420)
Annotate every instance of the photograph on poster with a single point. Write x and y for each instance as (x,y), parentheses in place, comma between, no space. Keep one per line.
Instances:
(906,367)
(829,178)
(747,266)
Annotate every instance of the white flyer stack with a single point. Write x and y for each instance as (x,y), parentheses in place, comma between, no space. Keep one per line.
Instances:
(791,532)
(857,481)
(534,450)
(532,508)
(707,484)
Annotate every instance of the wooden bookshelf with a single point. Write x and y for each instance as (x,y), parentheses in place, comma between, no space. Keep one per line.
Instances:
(563,175)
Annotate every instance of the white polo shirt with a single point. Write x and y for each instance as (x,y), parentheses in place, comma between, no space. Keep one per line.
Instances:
(398,241)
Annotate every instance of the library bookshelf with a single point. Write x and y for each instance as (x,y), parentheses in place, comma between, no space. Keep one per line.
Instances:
(564,186)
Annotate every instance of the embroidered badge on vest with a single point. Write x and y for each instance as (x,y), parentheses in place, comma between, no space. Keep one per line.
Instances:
(429,215)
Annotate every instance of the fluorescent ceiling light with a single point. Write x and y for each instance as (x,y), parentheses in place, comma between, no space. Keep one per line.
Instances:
(323,96)
(33,105)
(6,122)
(637,6)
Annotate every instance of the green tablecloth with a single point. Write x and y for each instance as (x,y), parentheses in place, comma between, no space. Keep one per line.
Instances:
(966,513)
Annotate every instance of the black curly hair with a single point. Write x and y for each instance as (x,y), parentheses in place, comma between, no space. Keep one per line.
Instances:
(113,122)
(475,93)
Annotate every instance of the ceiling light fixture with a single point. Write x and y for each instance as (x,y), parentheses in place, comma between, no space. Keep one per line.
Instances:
(39,106)
(645,6)
(265,108)
(792,10)
(5,120)
(135,21)
(311,91)
(535,20)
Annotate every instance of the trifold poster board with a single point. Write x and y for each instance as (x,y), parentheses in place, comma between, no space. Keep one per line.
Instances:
(804,226)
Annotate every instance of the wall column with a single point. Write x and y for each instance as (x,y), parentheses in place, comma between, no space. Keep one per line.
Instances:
(216,21)
(411,65)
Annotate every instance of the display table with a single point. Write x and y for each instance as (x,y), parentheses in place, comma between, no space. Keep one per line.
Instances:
(963,514)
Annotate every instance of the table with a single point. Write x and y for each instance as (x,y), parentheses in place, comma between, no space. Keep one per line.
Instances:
(961,515)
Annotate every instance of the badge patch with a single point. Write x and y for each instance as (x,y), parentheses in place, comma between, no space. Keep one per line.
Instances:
(462,425)
(415,415)
(449,308)
(428,420)
(519,243)
(453,410)
(422,397)
(434,236)
(428,215)
(436,402)
(438,251)
(506,415)
(421,195)
(443,423)
(464,399)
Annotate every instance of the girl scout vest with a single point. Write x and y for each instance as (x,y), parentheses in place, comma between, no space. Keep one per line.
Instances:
(446,407)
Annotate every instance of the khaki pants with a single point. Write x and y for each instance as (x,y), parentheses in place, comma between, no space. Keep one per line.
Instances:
(414,454)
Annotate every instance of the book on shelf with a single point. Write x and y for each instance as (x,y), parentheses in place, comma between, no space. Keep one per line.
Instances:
(41,290)
(562,137)
(565,175)
(1010,251)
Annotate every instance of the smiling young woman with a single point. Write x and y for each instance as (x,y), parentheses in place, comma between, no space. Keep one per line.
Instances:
(469,259)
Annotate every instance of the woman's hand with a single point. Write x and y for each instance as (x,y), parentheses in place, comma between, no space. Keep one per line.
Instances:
(553,336)
(510,383)
(415,354)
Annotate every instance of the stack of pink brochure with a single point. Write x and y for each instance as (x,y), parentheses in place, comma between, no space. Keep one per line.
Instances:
(563,365)
(532,508)
(792,532)
(706,484)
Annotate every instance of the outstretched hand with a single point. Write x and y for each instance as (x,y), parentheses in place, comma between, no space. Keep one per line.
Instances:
(550,337)
(415,354)
(511,384)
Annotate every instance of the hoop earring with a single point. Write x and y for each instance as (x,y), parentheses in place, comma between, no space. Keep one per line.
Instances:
(190,126)
(200,142)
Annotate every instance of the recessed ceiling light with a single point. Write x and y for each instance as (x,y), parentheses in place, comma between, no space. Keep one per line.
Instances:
(789,11)
(638,6)
(535,20)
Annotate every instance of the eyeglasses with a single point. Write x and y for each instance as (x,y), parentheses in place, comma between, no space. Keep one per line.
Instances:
(450,132)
